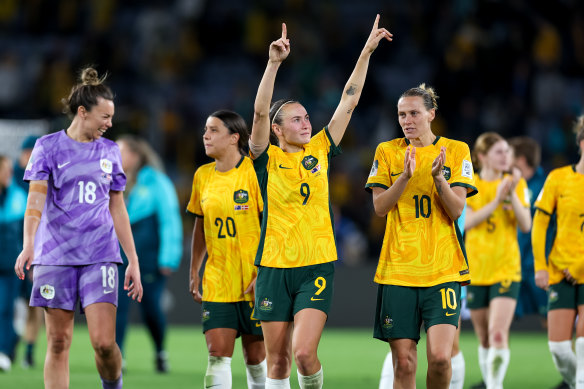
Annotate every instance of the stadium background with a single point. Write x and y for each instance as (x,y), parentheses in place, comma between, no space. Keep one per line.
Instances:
(513,67)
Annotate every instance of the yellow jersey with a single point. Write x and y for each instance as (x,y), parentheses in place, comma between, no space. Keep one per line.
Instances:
(230,204)
(422,246)
(491,246)
(562,195)
(297,224)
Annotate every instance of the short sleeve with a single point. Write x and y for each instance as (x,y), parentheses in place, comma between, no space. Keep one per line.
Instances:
(38,167)
(118,175)
(379,174)
(523,192)
(194,205)
(462,170)
(334,149)
(546,200)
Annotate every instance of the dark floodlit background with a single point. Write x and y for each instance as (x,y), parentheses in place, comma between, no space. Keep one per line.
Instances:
(513,67)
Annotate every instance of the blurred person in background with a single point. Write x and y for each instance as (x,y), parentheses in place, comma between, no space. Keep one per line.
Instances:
(34,315)
(12,208)
(227,203)
(154,213)
(493,252)
(527,158)
(297,249)
(421,182)
(75,221)
(562,272)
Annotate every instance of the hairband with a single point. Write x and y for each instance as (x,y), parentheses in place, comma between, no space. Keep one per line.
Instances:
(278,111)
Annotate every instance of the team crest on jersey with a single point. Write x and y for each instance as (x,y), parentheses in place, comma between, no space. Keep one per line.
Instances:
(387,322)
(309,162)
(205,315)
(373,172)
(266,305)
(446,172)
(48,291)
(106,165)
(240,196)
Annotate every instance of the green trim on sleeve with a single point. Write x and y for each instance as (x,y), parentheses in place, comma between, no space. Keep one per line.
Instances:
(543,210)
(376,185)
(335,149)
(473,192)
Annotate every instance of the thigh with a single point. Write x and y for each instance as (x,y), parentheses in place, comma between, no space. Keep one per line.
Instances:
(501,311)
(278,337)
(273,297)
(397,313)
(440,304)
(440,340)
(220,341)
(254,350)
(313,286)
(561,324)
(308,326)
(55,287)
(98,283)
(59,325)
(101,323)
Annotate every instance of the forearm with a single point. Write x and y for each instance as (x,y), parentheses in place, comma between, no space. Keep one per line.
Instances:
(538,240)
(198,248)
(35,204)
(474,218)
(385,200)
(452,202)
(122,227)
(260,133)
(522,213)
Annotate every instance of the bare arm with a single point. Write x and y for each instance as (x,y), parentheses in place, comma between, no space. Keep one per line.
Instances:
(260,131)
(452,199)
(385,199)
(117,207)
(35,204)
(476,217)
(541,222)
(522,213)
(198,251)
(354,86)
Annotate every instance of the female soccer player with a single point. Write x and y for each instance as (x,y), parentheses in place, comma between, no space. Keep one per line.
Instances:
(421,183)
(493,252)
(73,244)
(297,247)
(227,202)
(157,229)
(563,272)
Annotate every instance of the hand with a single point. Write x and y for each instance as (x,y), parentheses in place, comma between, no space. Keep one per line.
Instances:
(542,279)
(504,189)
(23,261)
(569,277)
(194,288)
(132,282)
(410,162)
(515,177)
(438,163)
(280,49)
(251,287)
(377,34)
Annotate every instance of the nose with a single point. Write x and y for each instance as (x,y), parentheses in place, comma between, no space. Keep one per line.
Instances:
(109,123)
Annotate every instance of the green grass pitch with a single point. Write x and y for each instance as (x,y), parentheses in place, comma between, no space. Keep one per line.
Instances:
(351,358)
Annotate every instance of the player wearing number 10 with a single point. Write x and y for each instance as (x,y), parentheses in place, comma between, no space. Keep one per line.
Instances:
(227,202)
(297,247)
(421,183)
(76,177)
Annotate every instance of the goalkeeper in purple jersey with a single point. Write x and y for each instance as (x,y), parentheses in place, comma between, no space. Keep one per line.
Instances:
(74,218)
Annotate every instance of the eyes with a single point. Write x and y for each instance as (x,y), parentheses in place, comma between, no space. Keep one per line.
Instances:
(402,115)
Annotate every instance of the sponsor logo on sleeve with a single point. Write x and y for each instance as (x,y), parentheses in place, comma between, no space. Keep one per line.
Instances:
(467,169)
(374,168)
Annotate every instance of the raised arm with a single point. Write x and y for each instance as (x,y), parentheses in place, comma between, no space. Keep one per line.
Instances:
(354,86)
(260,130)
(385,199)
(476,217)
(35,204)
(452,199)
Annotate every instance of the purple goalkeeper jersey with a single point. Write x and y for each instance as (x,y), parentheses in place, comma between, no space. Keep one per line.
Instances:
(76,226)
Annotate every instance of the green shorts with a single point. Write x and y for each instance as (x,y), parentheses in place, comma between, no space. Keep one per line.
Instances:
(564,295)
(480,296)
(402,309)
(238,315)
(283,292)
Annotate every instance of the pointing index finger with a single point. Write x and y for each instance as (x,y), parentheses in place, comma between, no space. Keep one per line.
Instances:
(284,32)
(376,23)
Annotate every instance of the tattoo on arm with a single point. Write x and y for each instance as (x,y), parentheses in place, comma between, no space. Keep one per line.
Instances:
(351,90)
(349,111)
(439,189)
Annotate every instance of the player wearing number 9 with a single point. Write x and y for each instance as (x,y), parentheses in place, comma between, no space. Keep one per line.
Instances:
(75,216)
(227,203)
(297,246)
(420,182)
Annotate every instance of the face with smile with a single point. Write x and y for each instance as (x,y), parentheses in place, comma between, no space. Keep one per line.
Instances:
(498,157)
(217,139)
(295,128)
(99,119)
(413,116)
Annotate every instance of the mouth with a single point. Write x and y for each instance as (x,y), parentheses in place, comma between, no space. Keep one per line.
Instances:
(101,131)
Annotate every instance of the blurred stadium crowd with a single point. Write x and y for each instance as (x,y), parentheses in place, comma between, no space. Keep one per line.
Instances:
(514,67)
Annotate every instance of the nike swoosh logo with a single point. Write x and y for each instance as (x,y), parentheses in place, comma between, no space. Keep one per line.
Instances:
(283,167)
(313,299)
(396,174)
(450,313)
(63,164)
(258,324)
(107,291)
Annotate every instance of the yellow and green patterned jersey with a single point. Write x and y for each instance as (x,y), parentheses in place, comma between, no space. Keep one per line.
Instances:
(562,195)
(491,246)
(297,223)
(422,246)
(230,204)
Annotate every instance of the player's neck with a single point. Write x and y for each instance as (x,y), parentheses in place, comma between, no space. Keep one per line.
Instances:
(227,162)
(75,132)
(424,140)
(488,174)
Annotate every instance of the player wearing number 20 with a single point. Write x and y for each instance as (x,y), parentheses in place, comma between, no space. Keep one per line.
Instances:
(421,183)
